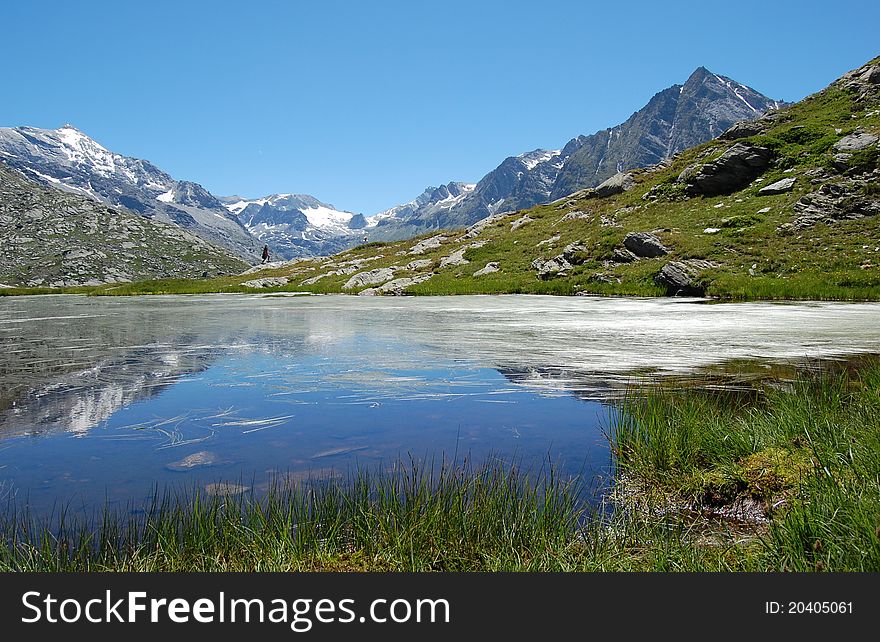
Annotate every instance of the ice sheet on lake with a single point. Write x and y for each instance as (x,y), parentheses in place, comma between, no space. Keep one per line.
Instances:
(70,363)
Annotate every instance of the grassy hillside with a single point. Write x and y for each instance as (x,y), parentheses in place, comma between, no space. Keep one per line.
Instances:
(820,240)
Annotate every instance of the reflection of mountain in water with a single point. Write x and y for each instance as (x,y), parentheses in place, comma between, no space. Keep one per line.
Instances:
(68,363)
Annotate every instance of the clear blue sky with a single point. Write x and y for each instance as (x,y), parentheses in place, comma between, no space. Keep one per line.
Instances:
(363,104)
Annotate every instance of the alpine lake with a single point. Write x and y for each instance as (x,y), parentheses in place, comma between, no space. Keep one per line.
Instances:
(104,400)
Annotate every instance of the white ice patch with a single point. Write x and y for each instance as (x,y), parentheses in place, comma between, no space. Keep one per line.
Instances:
(167,197)
(532,159)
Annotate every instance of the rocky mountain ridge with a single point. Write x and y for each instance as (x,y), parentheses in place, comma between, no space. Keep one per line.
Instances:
(69,160)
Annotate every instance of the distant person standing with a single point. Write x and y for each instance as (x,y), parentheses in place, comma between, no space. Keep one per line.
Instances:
(365,238)
(265,254)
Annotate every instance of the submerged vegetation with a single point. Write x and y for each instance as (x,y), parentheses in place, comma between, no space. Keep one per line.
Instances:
(781,477)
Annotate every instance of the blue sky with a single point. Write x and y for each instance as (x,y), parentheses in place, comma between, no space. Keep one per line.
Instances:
(363,104)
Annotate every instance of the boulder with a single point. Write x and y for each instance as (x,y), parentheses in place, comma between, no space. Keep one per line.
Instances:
(779,187)
(680,277)
(371,277)
(644,244)
(617,184)
(733,170)
(855,142)
(268,282)
(489,269)
(743,129)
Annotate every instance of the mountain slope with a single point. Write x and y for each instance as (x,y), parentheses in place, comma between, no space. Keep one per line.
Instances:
(53,238)
(67,159)
(787,206)
(294,225)
(674,119)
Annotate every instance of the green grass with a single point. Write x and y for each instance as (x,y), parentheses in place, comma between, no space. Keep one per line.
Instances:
(809,454)
(809,451)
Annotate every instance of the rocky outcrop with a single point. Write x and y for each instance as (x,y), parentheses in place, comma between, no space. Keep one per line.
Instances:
(573,254)
(680,278)
(549,268)
(733,170)
(397,287)
(428,244)
(454,259)
(645,245)
(844,200)
(779,187)
(371,277)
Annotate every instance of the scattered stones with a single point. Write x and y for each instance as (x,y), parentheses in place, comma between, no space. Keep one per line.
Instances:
(574,216)
(371,277)
(491,267)
(779,187)
(268,282)
(644,244)
(680,277)
(734,169)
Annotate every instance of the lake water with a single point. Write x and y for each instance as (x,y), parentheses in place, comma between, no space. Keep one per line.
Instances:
(104,399)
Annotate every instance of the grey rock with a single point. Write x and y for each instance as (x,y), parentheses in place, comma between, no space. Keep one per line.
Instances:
(623,256)
(575,253)
(855,142)
(645,245)
(397,287)
(518,223)
(779,187)
(617,184)
(680,277)
(456,258)
(549,241)
(428,244)
(491,267)
(371,277)
(549,268)
(733,170)
(268,282)
(832,202)
(744,129)
(418,264)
